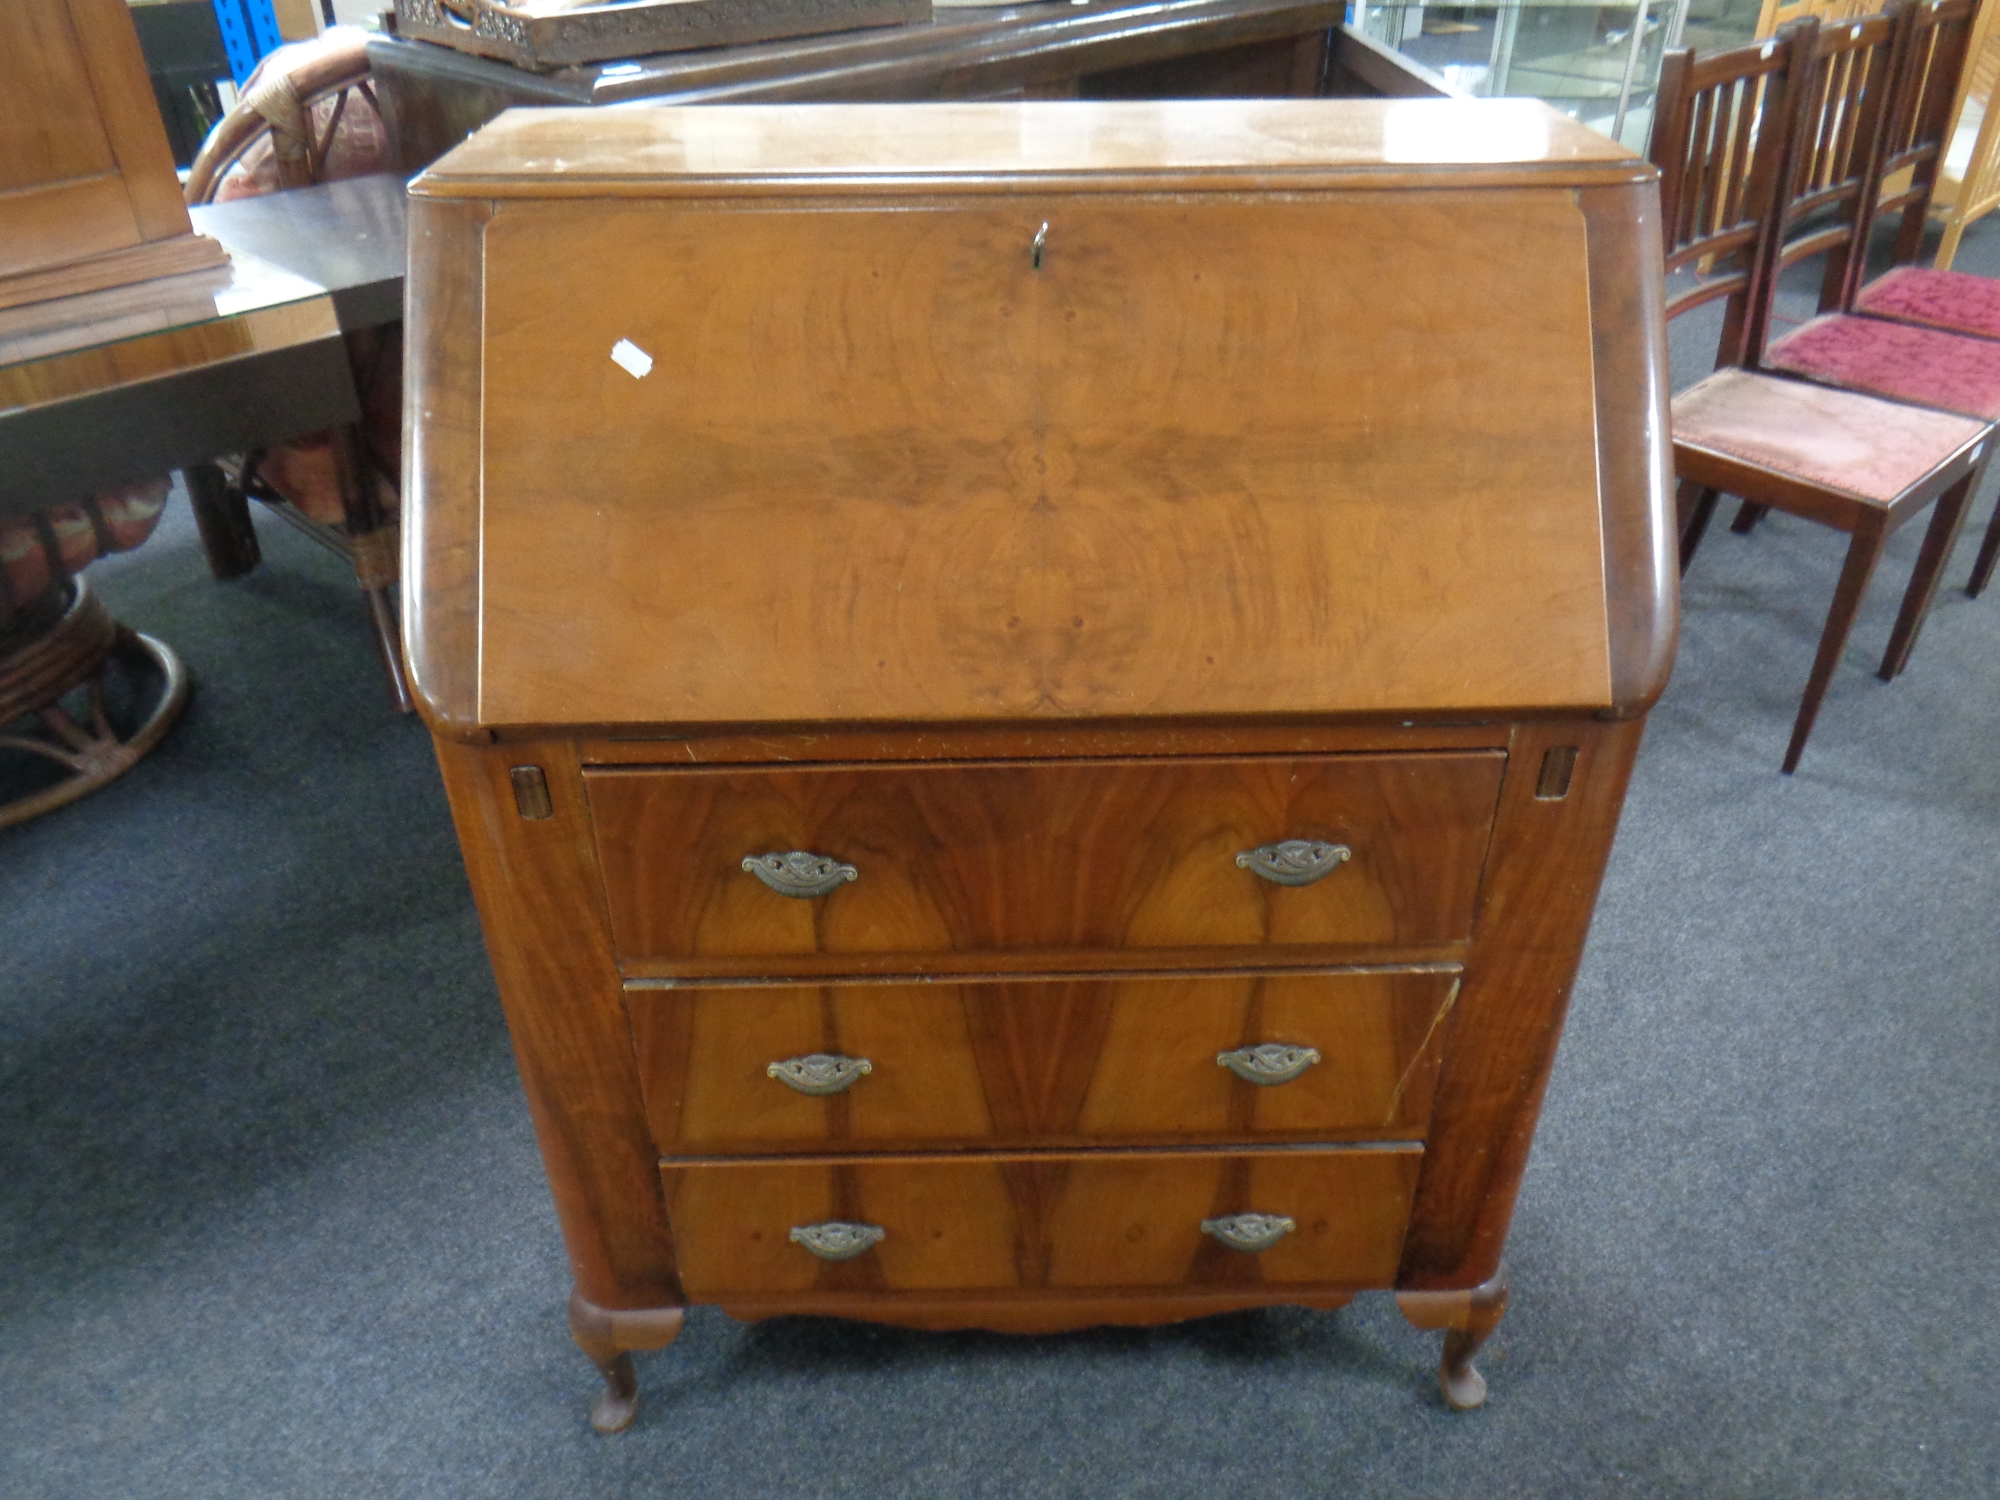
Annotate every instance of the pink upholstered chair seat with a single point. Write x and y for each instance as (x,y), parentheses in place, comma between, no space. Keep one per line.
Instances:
(1899,360)
(1837,439)
(39,551)
(1952,300)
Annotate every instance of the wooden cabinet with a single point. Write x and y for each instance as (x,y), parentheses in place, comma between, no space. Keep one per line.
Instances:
(1036,695)
(88,195)
(433,97)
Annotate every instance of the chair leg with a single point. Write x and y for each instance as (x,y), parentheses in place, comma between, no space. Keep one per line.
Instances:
(1864,551)
(1910,236)
(1989,551)
(222,515)
(1747,517)
(1939,538)
(372,538)
(388,641)
(1948,246)
(1694,504)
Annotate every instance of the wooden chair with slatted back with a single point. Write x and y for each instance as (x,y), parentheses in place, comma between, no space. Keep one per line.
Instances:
(1851,91)
(1968,178)
(1716,163)
(1910,336)
(1855,463)
(309,115)
(1834,166)
(1945,41)
(1774,14)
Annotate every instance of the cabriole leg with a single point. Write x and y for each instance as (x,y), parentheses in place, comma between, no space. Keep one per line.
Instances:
(607,1338)
(1468,1319)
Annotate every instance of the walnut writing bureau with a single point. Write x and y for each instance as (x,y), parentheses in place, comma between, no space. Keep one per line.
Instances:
(1036,695)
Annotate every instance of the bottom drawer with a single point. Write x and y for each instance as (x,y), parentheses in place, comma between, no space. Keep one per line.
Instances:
(1102,1220)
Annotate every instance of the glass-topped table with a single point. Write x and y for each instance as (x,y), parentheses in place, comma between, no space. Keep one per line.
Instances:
(128,383)
(120,386)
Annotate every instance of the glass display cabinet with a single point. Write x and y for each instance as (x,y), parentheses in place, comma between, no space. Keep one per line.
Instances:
(1600,64)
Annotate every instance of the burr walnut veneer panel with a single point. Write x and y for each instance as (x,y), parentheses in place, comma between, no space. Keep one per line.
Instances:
(1105,1221)
(1082,1062)
(1093,485)
(1080,854)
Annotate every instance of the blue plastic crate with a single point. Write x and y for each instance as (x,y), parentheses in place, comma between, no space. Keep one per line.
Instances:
(249,30)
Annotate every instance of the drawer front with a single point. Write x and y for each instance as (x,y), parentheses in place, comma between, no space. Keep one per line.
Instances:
(1095,1221)
(880,1066)
(1094,855)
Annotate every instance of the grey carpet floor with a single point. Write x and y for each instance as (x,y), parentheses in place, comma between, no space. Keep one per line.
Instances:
(272,1221)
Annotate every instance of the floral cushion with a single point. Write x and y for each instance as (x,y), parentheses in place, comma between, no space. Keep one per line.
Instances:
(1874,449)
(1952,300)
(1900,360)
(39,551)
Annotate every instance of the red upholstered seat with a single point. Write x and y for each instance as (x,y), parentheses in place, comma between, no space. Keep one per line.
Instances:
(1899,360)
(1952,300)
(1853,443)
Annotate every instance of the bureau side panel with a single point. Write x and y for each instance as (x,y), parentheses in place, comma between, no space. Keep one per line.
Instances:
(444,314)
(535,880)
(1542,876)
(1634,440)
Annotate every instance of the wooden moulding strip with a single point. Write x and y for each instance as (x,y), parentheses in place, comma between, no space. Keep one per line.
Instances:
(615,774)
(933,1158)
(1041,741)
(843,187)
(1032,1311)
(1065,964)
(141,262)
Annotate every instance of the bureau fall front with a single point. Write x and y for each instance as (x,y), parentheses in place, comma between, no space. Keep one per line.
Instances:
(1035,695)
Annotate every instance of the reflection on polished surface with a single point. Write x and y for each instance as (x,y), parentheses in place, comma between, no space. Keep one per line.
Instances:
(72,345)
(1468,130)
(120,385)
(966,141)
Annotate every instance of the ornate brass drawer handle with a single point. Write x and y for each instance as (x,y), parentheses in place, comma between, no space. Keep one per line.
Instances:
(834,1240)
(1267,1063)
(800,874)
(1294,861)
(821,1072)
(1249,1233)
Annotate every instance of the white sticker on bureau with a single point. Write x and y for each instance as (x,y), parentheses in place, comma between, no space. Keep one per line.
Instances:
(630,358)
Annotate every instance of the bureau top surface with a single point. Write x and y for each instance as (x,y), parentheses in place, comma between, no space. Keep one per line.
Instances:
(778,148)
(1238,423)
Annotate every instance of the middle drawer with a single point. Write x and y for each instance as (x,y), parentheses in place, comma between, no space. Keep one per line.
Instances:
(1145,1059)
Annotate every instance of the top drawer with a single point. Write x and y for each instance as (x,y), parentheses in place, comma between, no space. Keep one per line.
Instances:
(1025,857)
